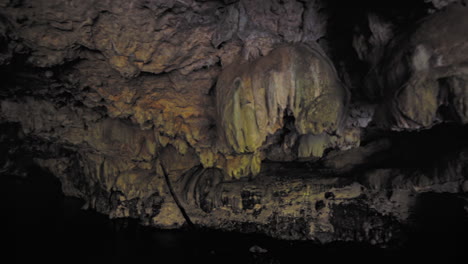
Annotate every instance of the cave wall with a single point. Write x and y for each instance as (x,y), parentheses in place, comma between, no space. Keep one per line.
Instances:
(155,109)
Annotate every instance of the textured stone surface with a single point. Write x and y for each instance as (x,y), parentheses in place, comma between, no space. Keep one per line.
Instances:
(253,99)
(426,72)
(166,110)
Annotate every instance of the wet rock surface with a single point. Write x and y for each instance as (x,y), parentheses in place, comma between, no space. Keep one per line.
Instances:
(287,118)
(42,218)
(425,80)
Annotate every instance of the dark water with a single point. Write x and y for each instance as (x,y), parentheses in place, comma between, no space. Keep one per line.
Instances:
(47,227)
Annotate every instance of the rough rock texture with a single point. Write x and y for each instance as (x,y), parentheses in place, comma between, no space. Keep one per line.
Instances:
(425,80)
(253,99)
(239,115)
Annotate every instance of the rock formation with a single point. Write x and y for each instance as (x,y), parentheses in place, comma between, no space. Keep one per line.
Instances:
(254,97)
(425,74)
(255,116)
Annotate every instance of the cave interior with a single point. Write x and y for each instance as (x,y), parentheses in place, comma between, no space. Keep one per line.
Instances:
(256,131)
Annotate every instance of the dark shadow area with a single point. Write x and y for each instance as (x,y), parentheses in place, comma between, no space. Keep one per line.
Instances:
(47,226)
(439,227)
(420,149)
(407,151)
(348,17)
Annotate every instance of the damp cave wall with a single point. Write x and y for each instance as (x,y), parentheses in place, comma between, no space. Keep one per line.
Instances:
(173,110)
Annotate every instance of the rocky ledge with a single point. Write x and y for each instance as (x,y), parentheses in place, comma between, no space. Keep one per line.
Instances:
(290,118)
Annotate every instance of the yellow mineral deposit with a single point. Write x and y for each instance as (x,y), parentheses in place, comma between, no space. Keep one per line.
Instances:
(253,97)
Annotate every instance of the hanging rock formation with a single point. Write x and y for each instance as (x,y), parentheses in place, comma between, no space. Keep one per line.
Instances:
(253,99)
(277,117)
(424,73)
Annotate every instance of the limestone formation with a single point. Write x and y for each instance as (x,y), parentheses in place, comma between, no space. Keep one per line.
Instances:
(253,99)
(426,72)
(255,116)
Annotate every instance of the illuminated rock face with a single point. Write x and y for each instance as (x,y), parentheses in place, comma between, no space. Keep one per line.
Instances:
(173,111)
(254,97)
(425,76)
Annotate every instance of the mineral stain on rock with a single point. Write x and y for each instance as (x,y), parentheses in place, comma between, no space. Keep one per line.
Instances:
(303,120)
(252,98)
